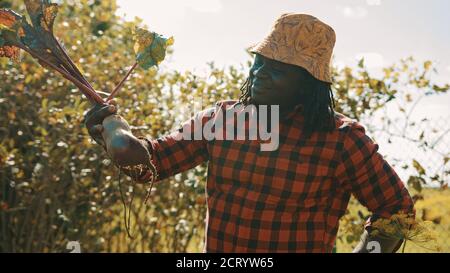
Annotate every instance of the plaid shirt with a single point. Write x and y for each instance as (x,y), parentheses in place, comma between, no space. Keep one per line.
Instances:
(288,200)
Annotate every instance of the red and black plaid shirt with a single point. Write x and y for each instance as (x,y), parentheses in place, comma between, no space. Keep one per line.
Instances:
(288,200)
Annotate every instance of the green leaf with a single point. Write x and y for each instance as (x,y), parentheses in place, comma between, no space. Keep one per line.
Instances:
(150,47)
(441,88)
(11,52)
(416,183)
(10,27)
(361,63)
(39,43)
(418,167)
(39,35)
(350,238)
(9,19)
(42,13)
(15,30)
(422,135)
(49,15)
(34,9)
(9,34)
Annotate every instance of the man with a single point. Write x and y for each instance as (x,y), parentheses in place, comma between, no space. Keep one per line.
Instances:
(287,199)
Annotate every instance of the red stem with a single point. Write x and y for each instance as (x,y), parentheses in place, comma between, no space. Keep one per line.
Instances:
(90,94)
(72,64)
(114,92)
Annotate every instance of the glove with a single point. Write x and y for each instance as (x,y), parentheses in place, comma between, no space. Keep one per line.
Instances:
(377,244)
(94,121)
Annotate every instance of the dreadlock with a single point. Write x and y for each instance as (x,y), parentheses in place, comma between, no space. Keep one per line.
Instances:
(318,102)
(245,97)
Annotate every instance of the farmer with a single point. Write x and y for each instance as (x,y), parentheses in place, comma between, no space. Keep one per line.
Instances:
(289,198)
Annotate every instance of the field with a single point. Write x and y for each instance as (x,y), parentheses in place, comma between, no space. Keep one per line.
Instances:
(435,208)
(57,186)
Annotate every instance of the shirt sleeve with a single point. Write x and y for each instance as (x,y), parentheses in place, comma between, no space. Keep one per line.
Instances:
(371,179)
(181,150)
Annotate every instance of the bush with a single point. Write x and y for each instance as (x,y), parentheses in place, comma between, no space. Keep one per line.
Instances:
(56,186)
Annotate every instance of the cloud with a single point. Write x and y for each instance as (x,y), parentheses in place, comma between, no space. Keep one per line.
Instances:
(167,16)
(339,64)
(448,68)
(154,11)
(373,2)
(205,6)
(371,59)
(353,12)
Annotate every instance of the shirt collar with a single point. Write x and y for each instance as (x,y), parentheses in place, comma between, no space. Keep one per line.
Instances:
(294,112)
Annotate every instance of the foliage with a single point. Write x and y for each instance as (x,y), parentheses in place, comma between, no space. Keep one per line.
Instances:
(404,227)
(431,217)
(54,186)
(57,186)
(150,47)
(38,40)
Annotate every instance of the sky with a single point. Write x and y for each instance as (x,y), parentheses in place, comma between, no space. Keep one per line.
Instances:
(381,31)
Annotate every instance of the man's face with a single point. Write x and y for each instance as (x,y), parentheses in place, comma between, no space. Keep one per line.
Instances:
(275,83)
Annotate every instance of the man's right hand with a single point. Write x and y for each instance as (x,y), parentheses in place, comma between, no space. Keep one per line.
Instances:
(94,121)
(114,134)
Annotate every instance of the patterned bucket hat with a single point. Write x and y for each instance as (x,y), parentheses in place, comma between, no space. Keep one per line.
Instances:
(302,40)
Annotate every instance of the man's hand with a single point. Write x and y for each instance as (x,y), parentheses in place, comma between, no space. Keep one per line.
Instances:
(377,244)
(114,134)
(94,121)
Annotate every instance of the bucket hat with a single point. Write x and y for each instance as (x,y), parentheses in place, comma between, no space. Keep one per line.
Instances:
(302,40)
